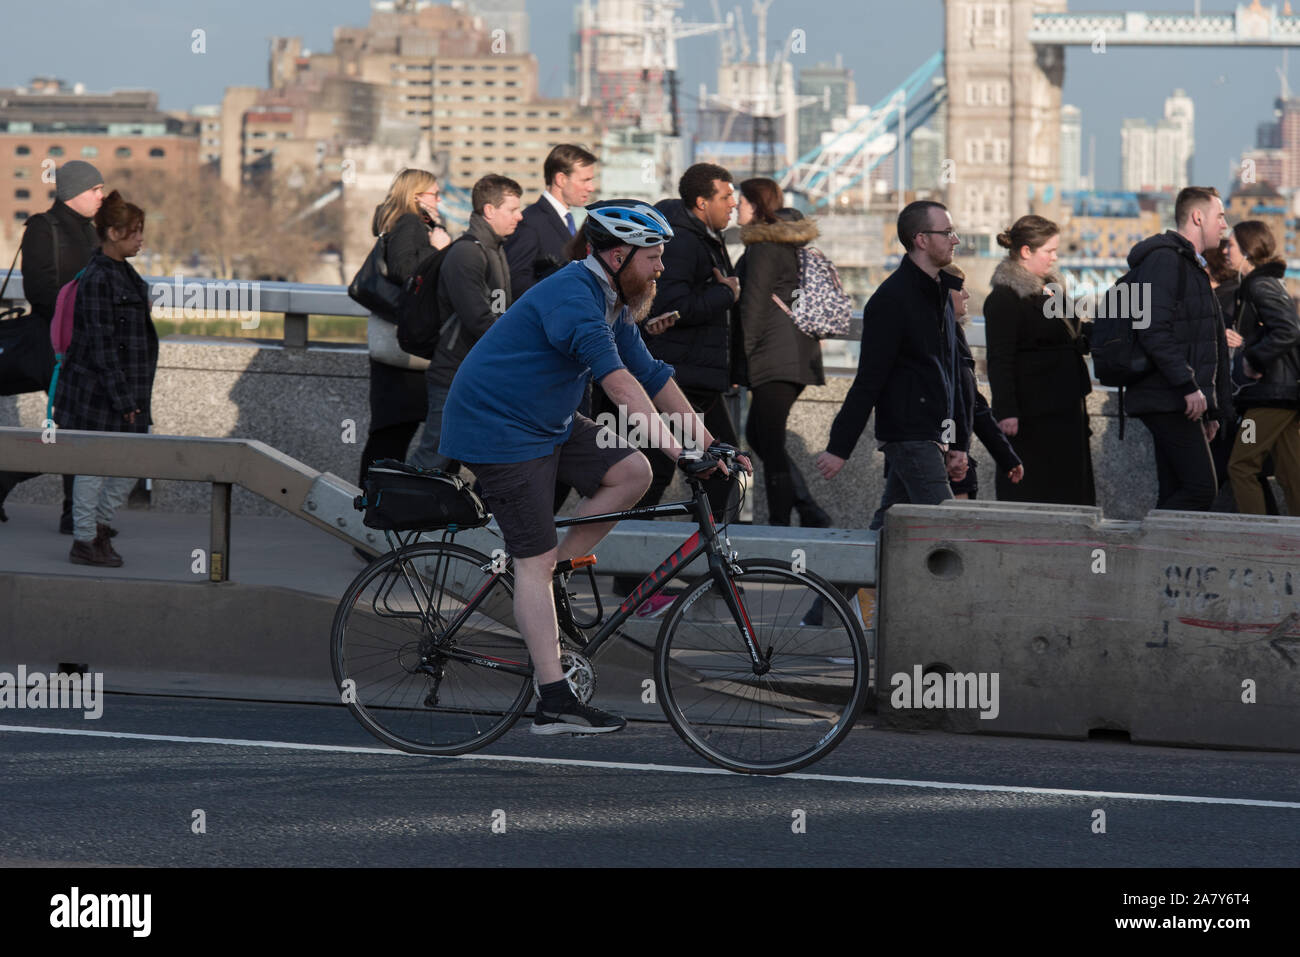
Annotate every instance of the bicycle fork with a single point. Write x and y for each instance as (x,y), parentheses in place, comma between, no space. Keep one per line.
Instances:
(722,567)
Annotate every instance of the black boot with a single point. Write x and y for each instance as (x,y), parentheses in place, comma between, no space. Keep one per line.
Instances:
(780,497)
(811,515)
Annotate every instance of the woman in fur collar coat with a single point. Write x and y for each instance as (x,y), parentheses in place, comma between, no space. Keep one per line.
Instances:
(782,359)
(1037,372)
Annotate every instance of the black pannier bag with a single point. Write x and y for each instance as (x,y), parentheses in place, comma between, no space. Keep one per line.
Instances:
(402,498)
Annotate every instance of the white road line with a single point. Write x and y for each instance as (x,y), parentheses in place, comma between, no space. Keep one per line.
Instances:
(669,768)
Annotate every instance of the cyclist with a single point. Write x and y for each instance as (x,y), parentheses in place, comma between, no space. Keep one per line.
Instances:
(511,418)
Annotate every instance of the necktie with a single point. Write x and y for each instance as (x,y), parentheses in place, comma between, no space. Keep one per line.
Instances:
(568,218)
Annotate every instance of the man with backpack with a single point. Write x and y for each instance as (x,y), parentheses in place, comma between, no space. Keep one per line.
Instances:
(473,283)
(1183,383)
(56,245)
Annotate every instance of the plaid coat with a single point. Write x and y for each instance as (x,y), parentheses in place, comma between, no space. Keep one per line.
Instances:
(109,367)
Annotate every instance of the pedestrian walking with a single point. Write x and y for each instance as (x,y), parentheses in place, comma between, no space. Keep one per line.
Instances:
(1269,369)
(56,245)
(781,359)
(106,382)
(1036,369)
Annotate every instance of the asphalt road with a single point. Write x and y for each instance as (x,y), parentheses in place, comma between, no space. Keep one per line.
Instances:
(304,785)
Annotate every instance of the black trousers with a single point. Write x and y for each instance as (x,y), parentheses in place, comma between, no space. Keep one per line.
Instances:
(391,442)
(9,479)
(1184,466)
(769,411)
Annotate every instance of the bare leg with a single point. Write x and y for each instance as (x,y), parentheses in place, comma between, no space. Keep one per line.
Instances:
(622,487)
(535,614)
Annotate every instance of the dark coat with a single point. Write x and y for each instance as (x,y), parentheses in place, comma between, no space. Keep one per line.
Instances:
(473,292)
(706,346)
(536,248)
(1035,360)
(400,396)
(776,350)
(906,365)
(1267,321)
(110,365)
(408,246)
(976,417)
(1185,337)
(56,245)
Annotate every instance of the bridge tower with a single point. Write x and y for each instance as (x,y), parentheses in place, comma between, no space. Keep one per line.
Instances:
(1004,115)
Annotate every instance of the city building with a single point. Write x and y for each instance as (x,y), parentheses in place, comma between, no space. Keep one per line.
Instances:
(47,123)
(1071,148)
(1263,202)
(927,155)
(1157,158)
(1107,224)
(832,91)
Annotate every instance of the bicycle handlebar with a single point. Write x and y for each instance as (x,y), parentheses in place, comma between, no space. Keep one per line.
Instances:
(698,461)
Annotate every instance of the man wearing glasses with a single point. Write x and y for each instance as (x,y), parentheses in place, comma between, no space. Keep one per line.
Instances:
(907,370)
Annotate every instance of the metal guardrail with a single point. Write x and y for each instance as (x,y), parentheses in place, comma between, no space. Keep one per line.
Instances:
(842,556)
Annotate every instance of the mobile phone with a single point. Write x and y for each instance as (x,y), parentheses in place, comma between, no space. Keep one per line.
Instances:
(664,318)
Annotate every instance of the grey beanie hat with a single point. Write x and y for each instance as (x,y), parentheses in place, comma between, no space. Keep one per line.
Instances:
(75,177)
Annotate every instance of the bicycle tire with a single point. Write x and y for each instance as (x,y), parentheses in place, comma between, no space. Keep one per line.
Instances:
(378,641)
(783,720)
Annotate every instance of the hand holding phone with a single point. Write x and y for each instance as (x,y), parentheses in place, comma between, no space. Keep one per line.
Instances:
(657,324)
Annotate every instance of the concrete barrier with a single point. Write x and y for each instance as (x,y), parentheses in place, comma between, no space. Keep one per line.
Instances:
(1183,628)
(221,640)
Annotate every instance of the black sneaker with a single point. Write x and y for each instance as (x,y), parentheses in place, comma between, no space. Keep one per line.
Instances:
(575,717)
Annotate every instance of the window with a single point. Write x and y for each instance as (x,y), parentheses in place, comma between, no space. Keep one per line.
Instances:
(23,151)
(22,194)
(52,193)
(20,215)
(90,151)
(56,151)
(20,173)
(158,152)
(122,152)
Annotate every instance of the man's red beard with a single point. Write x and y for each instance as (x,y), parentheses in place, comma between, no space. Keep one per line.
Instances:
(639,294)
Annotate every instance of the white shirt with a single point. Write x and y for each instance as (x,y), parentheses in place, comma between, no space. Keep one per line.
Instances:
(559,206)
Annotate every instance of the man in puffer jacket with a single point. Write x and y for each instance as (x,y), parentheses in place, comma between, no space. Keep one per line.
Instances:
(1179,399)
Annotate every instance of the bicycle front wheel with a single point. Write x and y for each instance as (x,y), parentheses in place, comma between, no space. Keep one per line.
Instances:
(789,716)
(400,642)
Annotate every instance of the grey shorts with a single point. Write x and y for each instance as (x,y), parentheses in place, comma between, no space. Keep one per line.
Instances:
(521,495)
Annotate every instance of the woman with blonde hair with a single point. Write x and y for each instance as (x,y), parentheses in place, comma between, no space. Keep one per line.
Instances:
(408,220)
(1036,370)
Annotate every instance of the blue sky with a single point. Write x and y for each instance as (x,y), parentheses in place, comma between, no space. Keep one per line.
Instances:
(109,44)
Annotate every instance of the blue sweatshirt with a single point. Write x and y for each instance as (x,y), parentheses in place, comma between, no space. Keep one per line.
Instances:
(514,396)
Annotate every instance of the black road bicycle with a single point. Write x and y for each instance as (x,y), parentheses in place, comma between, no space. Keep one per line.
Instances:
(759,665)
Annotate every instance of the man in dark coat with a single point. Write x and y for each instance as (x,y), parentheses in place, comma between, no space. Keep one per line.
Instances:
(706,346)
(907,370)
(536,248)
(56,245)
(473,292)
(1179,399)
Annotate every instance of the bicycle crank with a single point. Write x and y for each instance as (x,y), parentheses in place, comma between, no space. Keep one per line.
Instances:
(578,672)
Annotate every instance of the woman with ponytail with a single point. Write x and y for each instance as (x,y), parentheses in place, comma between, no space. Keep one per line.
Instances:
(1037,372)
(106,382)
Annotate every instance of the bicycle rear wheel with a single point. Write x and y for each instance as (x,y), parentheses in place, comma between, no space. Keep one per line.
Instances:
(393,636)
(788,717)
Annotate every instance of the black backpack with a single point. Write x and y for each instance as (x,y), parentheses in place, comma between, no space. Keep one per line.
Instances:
(1118,359)
(419,324)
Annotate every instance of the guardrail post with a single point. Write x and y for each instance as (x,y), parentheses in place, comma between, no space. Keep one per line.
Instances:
(219,552)
(295,330)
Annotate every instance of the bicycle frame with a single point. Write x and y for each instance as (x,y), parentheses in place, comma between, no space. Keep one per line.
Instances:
(705,539)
